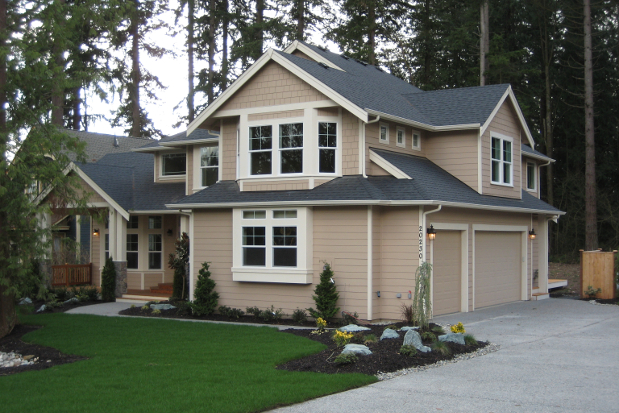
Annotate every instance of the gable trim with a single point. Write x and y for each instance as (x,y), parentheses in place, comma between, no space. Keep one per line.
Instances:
(509,92)
(387,166)
(296,45)
(424,126)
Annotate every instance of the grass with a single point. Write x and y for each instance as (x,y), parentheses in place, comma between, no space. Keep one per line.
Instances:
(141,365)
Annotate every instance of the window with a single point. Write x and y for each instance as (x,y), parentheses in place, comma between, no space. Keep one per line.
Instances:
(531,178)
(254,214)
(501,151)
(173,164)
(416,140)
(154,222)
(384,133)
(106,246)
(291,148)
(327,145)
(132,251)
(254,246)
(284,246)
(260,146)
(400,139)
(292,213)
(154,251)
(133,222)
(209,165)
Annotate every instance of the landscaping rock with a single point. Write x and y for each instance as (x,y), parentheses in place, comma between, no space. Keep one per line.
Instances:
(162,307)
(25,301)
(72,300)
(353,328)
(412,338)
(41,309)
(408,328)
(356,349)
(389,333)
(453,338)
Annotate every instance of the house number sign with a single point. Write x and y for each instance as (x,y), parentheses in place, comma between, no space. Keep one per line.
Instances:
(420,243)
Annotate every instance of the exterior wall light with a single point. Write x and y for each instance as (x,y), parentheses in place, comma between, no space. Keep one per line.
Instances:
(532,234)
(431,233)
(95,232)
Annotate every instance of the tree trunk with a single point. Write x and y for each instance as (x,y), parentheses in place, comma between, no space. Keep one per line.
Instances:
(260,32)
(211,51)
(591,234)
(300,19)
(134,92)
(224,34)
(190,25)
(57,89)
(8,318)
(3,101)
(77,116)
(484,42)
(372,32)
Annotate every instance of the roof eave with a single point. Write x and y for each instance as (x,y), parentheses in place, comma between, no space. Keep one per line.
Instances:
(424,126)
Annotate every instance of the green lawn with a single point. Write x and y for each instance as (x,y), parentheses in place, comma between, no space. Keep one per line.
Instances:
(141,365)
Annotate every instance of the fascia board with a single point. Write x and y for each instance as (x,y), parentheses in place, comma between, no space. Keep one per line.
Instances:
(154,211)
(230,91)
(151,149)
(387,166)
(189,142)
(296,45)
(321,87)
(509,92)
(424,126)
(536,156)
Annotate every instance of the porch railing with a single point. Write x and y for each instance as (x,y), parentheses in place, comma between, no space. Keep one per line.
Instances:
(71,275)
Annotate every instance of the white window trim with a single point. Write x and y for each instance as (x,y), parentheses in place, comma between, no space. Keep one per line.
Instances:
(502,162)
(301,274)
(338,139)
(380,135)
(418,147)
(280,150)
(526,183)
(398,130)
(163,177)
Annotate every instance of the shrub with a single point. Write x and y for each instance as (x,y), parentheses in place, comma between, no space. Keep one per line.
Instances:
(458,328)
(391,327)
(438,330)
(348,358)
(320,324)
(350,318)
(108,281)
(358,338)
(271,314)
(224,310)
(87,293)
(408,350)
(326,296)
(428,336)
(422,304)
(132,306)
(341,338)
(408,315)
(205,299)
(299,316)
(231,312)
(441,348)
(182,307)
(370,338)
(145,307)
(592,293)
(469,340)
(255,311)
(178,261)
(156,311)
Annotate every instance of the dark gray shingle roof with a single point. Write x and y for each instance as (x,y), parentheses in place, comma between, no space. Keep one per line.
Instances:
(197,134)
(100,144)
(128,179)
(526,149)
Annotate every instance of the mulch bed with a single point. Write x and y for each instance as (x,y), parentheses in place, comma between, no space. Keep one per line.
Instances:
(48,356)
(385,357)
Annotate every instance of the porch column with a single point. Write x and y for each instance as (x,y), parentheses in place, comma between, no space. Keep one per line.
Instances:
(111,225)
(184,225)
(120,254)
(542,245)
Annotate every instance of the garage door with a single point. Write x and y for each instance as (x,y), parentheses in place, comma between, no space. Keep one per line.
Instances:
(497,268)
(447,272)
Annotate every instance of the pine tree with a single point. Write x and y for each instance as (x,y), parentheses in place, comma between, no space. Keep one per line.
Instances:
(205,298)
(108,281)
(326,296)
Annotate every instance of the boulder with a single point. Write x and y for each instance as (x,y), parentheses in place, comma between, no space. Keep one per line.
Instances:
(162,307)
(353,328)
(408,328)
(41,309)
(25,301)
(389,333)
(356,349)
(72,300)
(453,338)
(412,338)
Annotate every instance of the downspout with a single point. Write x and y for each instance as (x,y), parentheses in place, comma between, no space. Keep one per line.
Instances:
(425,229)
(363,145)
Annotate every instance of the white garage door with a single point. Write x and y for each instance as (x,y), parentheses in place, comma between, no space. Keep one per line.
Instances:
(497,267)
(447,272)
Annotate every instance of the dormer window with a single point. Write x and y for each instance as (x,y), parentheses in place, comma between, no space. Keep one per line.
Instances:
(173,164)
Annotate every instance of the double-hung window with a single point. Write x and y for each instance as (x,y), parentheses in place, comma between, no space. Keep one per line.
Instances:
(209,165)
(291,148)
(327,146)
(154,251)
(383,131)
(132,251)
(501,153)
(107,246)
(416,140)
(260,149)
(531,178)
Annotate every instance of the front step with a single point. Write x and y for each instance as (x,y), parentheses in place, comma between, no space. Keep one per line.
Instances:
(539,296)
(163,288)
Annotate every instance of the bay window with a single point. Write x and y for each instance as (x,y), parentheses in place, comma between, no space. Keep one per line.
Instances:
(209,165)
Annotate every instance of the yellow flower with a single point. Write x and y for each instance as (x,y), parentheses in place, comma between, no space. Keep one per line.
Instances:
(341,338)
(458,328)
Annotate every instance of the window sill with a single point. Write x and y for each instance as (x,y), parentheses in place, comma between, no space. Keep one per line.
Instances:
(172,177)
(500,184)
(272,275)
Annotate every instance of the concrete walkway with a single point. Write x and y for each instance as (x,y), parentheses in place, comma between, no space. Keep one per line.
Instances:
(557,355)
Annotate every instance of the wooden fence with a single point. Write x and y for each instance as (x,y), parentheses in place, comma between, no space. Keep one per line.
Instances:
(597,271)
(71,275)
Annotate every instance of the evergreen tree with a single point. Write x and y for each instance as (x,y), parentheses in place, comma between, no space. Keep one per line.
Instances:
(108,281)
(326,296)
(205,298)
(179,262)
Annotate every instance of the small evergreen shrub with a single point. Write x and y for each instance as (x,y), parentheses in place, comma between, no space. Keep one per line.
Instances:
(224,310)
(236,313)
(255,311)
(182,307)
(408,350)
(205,298)
(428,336)
(358,338)
(441,348)
(157,311)
(370,338)
(350,319)
(326,296)
(470,340)
(145,307)
(348,358)
(108,281)
(271,314)
(299,316)
(438,330)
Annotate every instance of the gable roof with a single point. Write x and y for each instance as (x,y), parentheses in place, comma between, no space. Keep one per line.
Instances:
(429,185)
(532,153)
(100,144)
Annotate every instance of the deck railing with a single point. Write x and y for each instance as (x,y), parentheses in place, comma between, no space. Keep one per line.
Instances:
(71,275)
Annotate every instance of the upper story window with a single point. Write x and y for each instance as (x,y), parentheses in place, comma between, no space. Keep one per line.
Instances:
(173,164)
(209,165)
(416,140)
(260,148)
(291,148)
(154,222)
(383,133)
(327,146)
(501,153)
(133,222)
(531,178)
(400,137)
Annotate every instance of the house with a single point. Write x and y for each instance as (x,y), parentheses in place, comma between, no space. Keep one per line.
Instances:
(312,157)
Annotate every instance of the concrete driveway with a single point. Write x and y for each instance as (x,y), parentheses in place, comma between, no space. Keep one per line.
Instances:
(557,355)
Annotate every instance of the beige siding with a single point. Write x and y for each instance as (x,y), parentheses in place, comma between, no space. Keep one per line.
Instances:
(372,131)
(506,123)
(272,85)
(283,185)
(497,268)
(329,112)
(375,170)
(227,160)
(398,258)
(350,144)
(299,53)
(318,182)
(189,180)
(276,115)
(455,152)
(86,190)
(377,242)
(447,272)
